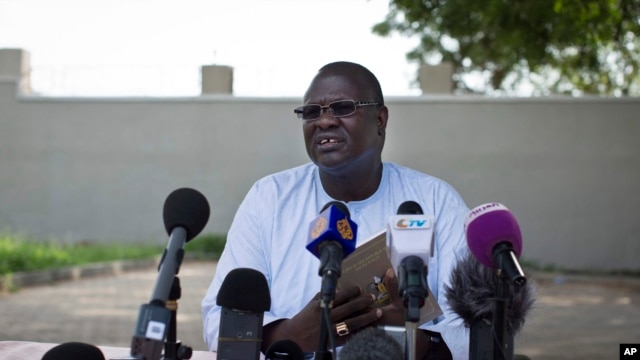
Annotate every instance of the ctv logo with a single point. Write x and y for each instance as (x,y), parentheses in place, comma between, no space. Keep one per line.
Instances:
(412,224)
(629,351)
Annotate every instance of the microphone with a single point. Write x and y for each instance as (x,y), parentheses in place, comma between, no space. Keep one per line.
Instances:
(472,293)
(332,237)
(371,344)
(74,351)
(284,350)
(409,243)
(244,297)
(185,214)
(494,238)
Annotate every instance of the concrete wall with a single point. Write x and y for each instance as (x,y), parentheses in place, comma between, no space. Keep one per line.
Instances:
(101,168)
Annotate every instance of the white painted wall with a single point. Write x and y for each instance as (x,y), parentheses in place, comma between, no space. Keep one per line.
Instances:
(101,168)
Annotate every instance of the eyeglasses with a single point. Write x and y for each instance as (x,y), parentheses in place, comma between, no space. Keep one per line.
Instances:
(338,108)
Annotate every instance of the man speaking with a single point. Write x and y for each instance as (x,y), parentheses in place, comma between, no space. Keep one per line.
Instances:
(344,122)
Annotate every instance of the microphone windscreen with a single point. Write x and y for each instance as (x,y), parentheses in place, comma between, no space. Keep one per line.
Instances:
(246,290)
(490,224)
(186,208)
(74,351)
(341,206)
(472,293)
(410,208)
(284,349)
(371,344)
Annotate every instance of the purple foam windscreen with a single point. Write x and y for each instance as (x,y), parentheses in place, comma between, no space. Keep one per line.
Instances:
(488,225)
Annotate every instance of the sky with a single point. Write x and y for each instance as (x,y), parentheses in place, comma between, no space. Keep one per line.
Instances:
(156,47)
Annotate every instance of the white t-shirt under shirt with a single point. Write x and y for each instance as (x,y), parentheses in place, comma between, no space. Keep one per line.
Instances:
(270,231)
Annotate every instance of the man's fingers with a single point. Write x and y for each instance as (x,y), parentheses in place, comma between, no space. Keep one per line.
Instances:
(344,295)
(391,283)
(357,322)
(355,305)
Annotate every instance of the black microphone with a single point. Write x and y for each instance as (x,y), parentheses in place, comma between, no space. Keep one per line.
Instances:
(185,214)
(472,296)
(284,350)
(244,297)
(371,344)
(74,351)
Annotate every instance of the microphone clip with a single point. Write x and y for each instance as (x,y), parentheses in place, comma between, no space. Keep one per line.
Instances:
(412,286)
(507,264)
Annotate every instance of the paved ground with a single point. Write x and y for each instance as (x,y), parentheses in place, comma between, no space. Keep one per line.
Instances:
(574,318)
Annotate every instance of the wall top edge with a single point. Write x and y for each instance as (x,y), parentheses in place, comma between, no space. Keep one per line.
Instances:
(226,98)
(507,99)
(31,98)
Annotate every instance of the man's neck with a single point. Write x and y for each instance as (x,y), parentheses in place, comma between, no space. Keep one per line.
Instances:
(352,186)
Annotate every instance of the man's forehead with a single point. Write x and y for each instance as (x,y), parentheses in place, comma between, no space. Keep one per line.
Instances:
(335,86)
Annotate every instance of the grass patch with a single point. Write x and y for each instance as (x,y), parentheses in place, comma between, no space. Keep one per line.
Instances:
(19,254)
(206,246)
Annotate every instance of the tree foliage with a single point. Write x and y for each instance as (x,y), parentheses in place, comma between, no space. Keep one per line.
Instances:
(551,46)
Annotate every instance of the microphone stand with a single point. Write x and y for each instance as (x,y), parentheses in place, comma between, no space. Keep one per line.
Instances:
(411,340)
(509,273)
(330,269)
(503,341)
(173,349)
(413,302)
(414,290)
(323,353)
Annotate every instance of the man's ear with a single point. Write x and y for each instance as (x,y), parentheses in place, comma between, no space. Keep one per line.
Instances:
(383,116)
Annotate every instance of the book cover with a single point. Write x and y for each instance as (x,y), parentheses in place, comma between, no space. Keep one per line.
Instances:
(366,266)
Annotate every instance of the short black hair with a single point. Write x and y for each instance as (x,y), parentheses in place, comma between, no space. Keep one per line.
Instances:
(361,73)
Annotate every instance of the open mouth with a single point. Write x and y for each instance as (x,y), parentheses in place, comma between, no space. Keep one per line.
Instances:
(328,141)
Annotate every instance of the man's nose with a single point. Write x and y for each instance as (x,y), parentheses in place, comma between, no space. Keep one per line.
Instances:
(326,118)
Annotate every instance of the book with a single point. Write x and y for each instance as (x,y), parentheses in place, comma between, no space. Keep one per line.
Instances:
(366,266)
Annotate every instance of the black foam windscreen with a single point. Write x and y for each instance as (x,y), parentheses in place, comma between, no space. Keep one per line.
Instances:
(371,344)
(246,290)
(341,206)
(410,208)
(74,351)
(186,208)
(472,293)
(284,349)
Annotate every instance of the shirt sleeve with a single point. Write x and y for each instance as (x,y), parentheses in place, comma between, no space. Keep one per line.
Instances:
(451,245)
(243,248)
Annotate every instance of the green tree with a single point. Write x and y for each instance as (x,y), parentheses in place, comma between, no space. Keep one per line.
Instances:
(552,46)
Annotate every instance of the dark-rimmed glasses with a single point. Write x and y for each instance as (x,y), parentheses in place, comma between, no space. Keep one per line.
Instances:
(338,108)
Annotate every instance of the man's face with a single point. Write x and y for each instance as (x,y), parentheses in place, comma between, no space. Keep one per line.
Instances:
(335,144)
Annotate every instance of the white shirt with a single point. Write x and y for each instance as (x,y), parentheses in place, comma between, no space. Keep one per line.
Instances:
(270,231)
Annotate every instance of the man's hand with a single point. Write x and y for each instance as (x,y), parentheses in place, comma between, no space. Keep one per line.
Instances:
(350,306)
(394,313)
